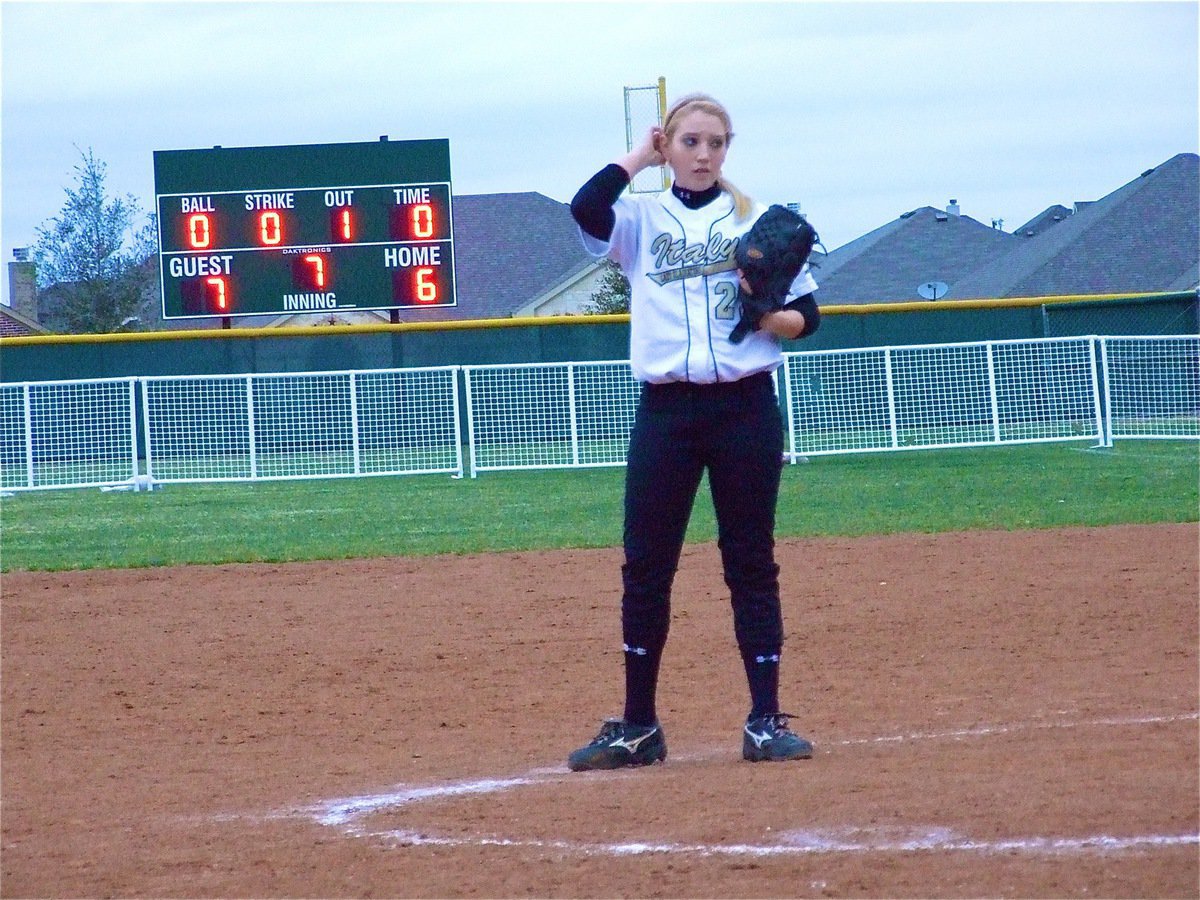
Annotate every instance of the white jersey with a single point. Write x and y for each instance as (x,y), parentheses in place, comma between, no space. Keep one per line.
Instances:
(680,264)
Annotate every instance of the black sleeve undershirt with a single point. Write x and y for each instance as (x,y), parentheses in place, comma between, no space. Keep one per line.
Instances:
(807,307)
(592,207)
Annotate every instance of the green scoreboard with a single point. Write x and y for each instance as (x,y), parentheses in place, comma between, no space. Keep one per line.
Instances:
(311,228)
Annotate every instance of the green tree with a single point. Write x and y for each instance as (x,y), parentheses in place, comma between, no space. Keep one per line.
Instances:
(611,294)
(92,255)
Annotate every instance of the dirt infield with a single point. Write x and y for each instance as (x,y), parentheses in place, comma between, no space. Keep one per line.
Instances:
(995,714)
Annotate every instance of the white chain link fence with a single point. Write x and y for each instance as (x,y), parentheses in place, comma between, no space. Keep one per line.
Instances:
(143,431)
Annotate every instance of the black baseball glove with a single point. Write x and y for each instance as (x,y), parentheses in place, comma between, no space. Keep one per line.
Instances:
(770,256)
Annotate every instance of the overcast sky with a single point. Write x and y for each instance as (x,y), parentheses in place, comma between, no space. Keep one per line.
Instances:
(857,111)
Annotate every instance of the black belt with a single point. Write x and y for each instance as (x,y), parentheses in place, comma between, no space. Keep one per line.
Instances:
(747,385)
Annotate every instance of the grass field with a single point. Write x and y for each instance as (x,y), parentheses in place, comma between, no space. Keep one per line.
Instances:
(1013,487)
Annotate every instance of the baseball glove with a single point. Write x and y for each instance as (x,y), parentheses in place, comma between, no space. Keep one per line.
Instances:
(770,256)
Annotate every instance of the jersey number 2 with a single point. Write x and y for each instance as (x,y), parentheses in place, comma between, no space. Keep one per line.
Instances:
(727,299)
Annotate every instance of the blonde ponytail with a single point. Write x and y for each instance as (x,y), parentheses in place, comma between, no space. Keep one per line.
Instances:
(742,205)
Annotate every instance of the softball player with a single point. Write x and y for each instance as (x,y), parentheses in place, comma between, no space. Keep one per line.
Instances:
(706,404)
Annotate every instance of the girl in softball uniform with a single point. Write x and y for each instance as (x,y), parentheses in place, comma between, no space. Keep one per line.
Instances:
(707,404)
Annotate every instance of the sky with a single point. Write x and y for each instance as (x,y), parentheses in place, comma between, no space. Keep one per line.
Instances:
(857,111)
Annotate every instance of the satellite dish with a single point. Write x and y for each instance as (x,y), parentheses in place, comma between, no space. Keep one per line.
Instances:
(932,290)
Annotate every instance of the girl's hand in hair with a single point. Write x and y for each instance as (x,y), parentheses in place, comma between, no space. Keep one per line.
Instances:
(646,154)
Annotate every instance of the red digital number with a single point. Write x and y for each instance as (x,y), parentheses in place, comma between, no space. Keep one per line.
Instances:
(416,287)
(415,222)
(270,228)
(312,272)
(317,275)
(425,286)
(206,296)
(422,220)
(217,293)
(199,231)
(341,225)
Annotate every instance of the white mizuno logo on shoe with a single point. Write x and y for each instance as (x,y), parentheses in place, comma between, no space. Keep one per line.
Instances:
(632,744)
(758,738)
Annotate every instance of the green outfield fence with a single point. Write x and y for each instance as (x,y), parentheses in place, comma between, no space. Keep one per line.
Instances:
(145,431)
(350,401)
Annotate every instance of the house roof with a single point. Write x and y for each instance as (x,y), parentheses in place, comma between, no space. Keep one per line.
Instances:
(14,324)
(1143,237)
(893,261)
(1047,218)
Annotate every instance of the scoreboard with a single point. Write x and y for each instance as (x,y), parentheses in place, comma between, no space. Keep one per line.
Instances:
(305,228)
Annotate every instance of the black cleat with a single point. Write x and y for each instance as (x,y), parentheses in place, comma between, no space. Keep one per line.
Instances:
(768,738)
(620,744)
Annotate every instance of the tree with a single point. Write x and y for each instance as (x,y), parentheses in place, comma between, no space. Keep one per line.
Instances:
(92,255)
(611,294)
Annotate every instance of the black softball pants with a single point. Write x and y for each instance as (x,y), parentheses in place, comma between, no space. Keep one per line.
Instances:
(734,431)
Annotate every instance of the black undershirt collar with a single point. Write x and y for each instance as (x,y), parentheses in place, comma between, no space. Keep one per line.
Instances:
(696,199)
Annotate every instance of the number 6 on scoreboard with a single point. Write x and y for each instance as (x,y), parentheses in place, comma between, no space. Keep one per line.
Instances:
(419,286)
(427,289)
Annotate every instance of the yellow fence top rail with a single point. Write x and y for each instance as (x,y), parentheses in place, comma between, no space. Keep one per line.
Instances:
(550,321)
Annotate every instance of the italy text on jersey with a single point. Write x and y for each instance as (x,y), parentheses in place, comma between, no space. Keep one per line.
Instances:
(674,259)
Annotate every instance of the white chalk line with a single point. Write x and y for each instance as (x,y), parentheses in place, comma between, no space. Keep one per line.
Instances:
(992,730)
(343,812)
(346,814)
(813,843)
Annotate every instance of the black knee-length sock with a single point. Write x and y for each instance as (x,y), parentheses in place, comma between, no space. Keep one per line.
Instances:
(762,674)
(641,684)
